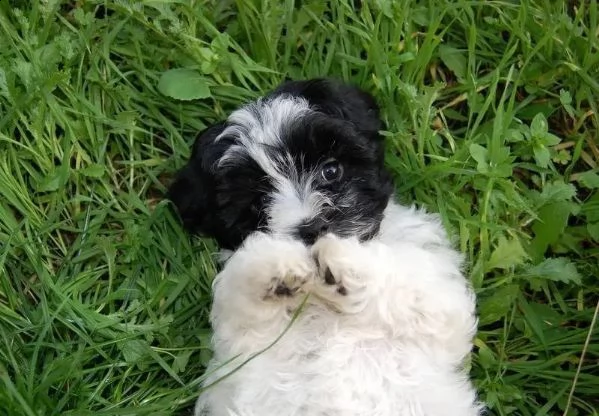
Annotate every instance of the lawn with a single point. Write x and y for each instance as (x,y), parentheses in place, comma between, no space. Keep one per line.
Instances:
(491,111)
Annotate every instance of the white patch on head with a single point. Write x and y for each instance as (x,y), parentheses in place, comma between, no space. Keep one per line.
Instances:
(294,202)
(257,128)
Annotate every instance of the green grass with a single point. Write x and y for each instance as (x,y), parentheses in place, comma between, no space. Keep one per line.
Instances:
(492,120)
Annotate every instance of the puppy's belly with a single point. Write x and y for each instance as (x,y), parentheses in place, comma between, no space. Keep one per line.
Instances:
(328,366)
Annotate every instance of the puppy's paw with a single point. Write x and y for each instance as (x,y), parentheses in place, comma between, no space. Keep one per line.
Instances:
(274,267)
(291,278)
(341,283)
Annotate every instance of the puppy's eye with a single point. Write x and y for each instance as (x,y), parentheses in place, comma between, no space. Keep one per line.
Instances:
(258,204)
(331,171)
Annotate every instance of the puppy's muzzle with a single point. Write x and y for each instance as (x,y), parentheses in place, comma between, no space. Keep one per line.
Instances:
(309,231)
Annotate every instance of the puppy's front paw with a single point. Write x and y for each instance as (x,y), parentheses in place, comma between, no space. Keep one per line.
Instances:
(341,283)
(275,268)
(290,277)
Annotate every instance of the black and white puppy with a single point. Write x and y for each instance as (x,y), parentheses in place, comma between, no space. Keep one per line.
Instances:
(294,187)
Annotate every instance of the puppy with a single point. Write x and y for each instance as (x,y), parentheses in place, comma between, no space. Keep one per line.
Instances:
(335,300)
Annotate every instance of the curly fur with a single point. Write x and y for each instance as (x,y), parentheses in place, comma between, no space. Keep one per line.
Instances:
(375,314)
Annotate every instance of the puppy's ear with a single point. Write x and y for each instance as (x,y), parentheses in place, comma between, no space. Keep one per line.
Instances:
(339,100)
(193,191)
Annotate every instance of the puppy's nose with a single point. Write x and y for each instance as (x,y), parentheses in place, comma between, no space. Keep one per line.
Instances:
(310,231)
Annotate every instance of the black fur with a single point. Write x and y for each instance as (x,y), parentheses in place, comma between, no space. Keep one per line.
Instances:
(225,204)
(360,196)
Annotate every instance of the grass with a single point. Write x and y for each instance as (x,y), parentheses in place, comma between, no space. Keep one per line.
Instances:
(492,120)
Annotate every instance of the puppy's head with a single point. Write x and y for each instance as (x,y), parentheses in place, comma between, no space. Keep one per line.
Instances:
(305,160)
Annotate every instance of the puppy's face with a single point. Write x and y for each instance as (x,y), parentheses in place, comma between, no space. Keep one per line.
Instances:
(303,161)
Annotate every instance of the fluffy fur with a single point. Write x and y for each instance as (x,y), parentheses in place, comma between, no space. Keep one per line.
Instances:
(294,186)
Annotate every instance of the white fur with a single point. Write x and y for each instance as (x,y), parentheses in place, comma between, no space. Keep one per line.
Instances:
(392,345)
(261,124)
(294,202)
(257,128)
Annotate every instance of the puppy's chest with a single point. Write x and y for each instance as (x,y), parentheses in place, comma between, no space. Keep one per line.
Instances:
(332,364)
(318,341)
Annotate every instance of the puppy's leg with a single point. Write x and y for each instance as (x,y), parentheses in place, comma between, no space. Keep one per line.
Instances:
(255,296)
(415,293)
(259,289)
